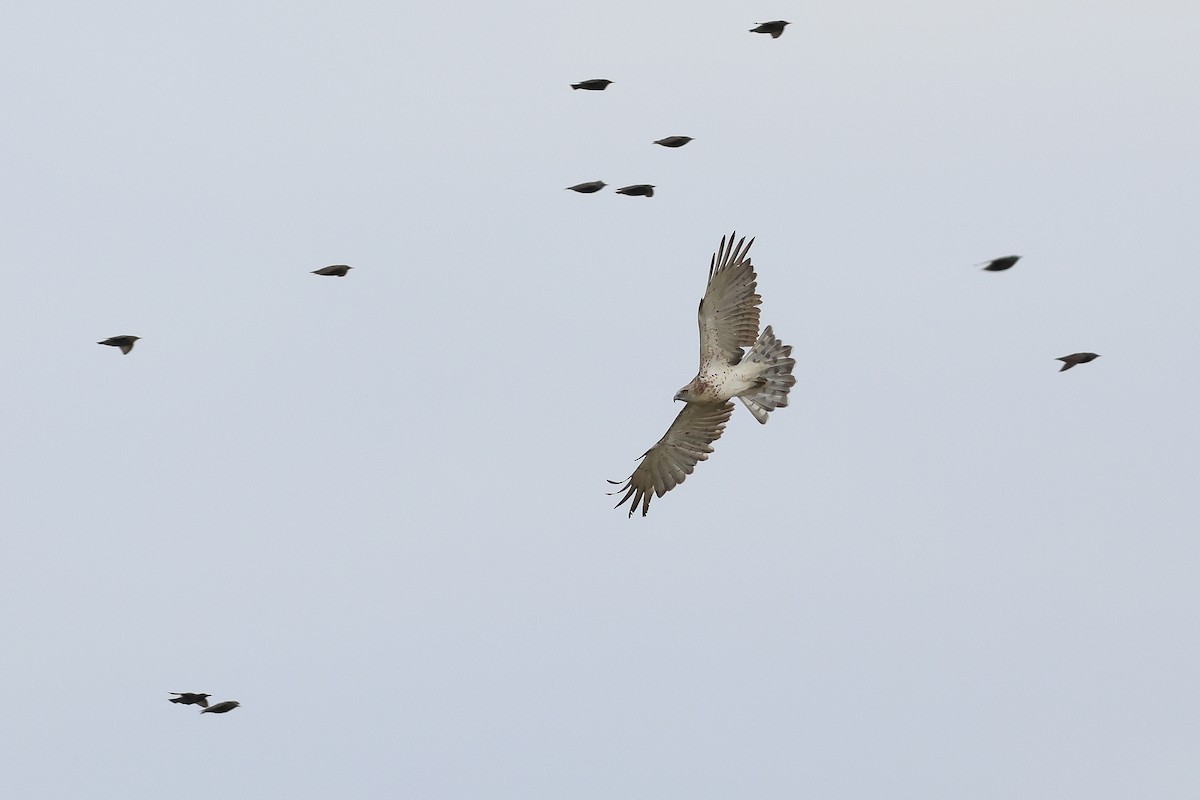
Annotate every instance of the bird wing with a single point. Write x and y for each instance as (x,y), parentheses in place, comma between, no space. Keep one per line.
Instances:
(201,701)
(728,312)
(667,464)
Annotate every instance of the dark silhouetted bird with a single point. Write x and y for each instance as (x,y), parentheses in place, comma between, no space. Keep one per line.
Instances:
(1076,358)
(774,28)
(588,188)
(594,85)
(673,141)
(123,342)
(188,698)
(999,264)
(222,707)
(339,270)
(637,190)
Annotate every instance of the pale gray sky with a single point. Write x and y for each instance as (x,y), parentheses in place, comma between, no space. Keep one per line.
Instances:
(372,509)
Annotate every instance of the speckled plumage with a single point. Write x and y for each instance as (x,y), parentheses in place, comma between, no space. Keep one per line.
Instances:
(761,377)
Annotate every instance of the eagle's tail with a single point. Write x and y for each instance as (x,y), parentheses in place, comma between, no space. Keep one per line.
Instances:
(775,381)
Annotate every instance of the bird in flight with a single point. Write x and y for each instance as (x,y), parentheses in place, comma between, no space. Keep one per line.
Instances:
(222,707)
(673,141)
(1076,358)
(123,342)
(999,264)
(588,188)
(189,698)
(338,270)
(760,377)
(775,28)
(593,85)
(637,190)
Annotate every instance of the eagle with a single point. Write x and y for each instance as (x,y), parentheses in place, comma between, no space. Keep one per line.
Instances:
(760,377)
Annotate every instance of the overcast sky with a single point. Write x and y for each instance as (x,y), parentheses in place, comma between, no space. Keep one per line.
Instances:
(372,509)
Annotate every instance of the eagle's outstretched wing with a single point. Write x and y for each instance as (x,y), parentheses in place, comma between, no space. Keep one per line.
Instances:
(729,311)
(666,465)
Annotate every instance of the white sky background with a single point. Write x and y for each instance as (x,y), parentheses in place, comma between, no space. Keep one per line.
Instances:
(372,509)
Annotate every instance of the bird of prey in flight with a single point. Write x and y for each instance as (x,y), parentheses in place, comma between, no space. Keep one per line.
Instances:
(760,377)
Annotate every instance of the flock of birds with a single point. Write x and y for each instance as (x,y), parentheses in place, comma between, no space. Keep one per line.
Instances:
(125,343)
(774,28)
(760,376)
(736,361)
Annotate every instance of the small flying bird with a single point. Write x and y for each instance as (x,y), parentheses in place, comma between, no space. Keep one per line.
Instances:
(674,141)
(775,28)
(222,707)
(761,377)
(999,264)
(637,190)
(123,342)
(1076,358)
(339,270)
(188,698)
(594,85)
(588,188)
